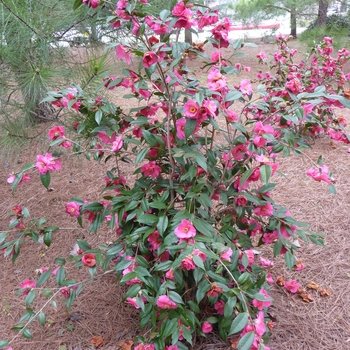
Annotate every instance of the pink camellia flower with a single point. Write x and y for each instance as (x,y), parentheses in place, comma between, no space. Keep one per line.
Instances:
(170,274)
(142,346)
(89,260)
(261,304)
(216,56)
(206,327)
(231,116)
(188,263)
(73,209)
(56,132)
(165,303)
(269,278)
(320,174)
(65,292)
(214,290)
(180,128)
(292,286)
(264,210)
(226,255)
(259,141)
(261,129)
(105,138)
(261,56)
(122,53)
(47,163)
(219,306)
(91,3)
(308,108)
(54,271)
(151,169)
(27,285)
(246,87)
(299,266)
(12,177)
(185,229)
(241,201)
(199,253)
(265,262)
(191,109)
(171,347)
(132,301)
(117,144)
(259,324)
(154,241)
(216,81)
(149,58)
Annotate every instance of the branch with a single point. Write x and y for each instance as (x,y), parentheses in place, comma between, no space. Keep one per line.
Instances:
(22,20)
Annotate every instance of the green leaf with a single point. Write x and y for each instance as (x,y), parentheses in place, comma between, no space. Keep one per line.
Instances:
(141,155)
(233,95)
(162,224)
(27,333)
(290,260)
(45,179)
(201,160)
(60,261)
(42,318)
(246,341)
(203,227)
(175,297)
(265,173)
(205,200)
(163,266)
(147,219)
(98,116)
(60,275)
(3,343)
(189,127)
(3,236)
(43,278)
(122,265)
(239,323)
(114,250)
(230,304)
(245,176)
(30,297)
(94,207)
(77,4)
(158,205)
(48,238)
(83,245)
(169,328)
(133,291)
(332,189)
(198,261)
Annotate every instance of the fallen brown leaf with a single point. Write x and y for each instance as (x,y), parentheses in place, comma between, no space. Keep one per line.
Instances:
(126,344)
(280,281)
(308,298)
(324,292)
(346,94)
(97,341)
(234,342)
(312,285)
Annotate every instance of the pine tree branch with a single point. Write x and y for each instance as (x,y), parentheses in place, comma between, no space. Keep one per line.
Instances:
(22,20)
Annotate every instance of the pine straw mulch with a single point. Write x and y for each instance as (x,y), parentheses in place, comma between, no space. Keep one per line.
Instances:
(323,324)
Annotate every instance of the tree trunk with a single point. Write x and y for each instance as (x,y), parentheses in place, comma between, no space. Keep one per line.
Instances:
(188,36)
(322,13)
(293,22)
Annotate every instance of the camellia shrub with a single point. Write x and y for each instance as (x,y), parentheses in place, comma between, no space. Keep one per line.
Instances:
(201,197)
